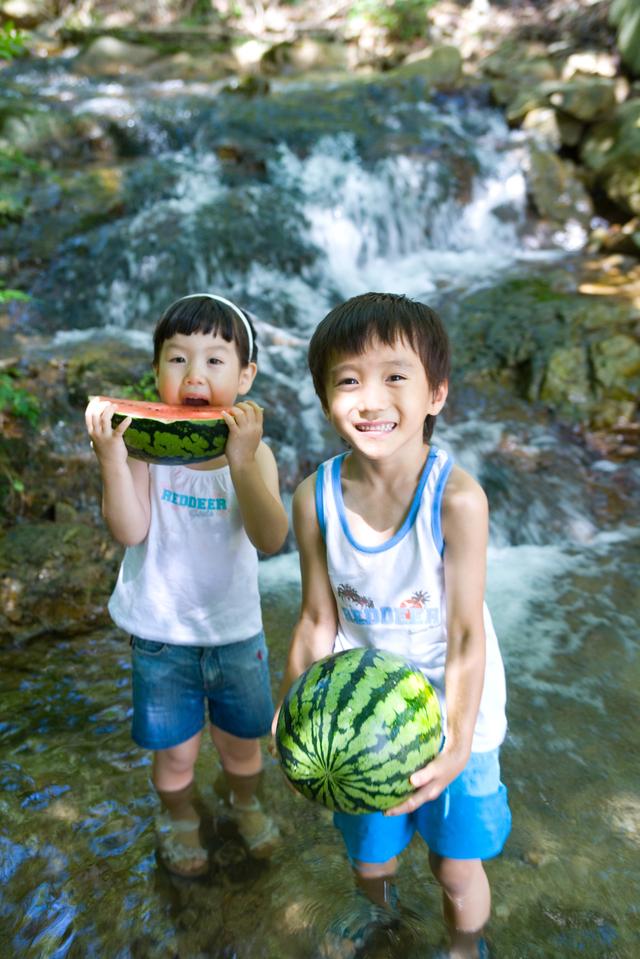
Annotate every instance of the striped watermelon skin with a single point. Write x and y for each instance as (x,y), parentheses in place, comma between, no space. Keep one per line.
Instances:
(171,435)
(354,727)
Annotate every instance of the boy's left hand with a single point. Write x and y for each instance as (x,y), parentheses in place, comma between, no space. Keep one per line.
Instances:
(245,432)
(430,781)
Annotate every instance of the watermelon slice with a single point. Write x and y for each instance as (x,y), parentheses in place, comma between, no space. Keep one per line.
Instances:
(170,434)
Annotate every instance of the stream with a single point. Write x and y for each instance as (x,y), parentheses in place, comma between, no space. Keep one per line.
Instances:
(289,203)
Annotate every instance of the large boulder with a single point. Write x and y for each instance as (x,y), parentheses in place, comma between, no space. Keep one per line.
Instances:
(611,150)
(579,355)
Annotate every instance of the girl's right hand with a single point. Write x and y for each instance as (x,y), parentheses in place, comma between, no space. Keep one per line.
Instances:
(106,440)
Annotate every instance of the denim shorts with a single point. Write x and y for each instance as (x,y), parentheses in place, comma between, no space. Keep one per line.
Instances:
(469,820)
(172,683)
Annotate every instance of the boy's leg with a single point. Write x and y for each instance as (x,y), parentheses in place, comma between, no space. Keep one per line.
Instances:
(242,770)
(179,822)
(351,934)
(466,900)
(376,880)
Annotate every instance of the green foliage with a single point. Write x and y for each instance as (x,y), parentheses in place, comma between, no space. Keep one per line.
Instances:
(13,162)
(17,401)
(625,15)
(402,19)
(7,296)
(12,42)
(144,389)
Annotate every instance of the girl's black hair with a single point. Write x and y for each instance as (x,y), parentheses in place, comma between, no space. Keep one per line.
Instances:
(350,328)
(201,314)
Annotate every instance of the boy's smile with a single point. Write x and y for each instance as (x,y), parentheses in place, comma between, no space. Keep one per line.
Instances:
(378,400)
(201,369)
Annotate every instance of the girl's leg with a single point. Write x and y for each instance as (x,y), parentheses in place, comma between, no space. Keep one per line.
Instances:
(466,899)
(242,767)
(179,823)
(173,768)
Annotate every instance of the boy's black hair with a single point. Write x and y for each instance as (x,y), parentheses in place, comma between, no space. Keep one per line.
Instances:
(201,314)
(350,328)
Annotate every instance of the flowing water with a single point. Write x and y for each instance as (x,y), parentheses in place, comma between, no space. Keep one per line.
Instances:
(330,194)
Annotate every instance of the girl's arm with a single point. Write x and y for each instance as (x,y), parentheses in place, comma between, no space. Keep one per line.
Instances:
(465,526)
(315,631)
(255,478)
(126,505)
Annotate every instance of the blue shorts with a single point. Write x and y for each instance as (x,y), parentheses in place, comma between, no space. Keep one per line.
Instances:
(171,684)
(469,820)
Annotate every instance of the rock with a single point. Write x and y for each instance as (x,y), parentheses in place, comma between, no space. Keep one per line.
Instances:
(303,55)
(557,193)
(441,67)
(192,65)
(566,383)
(55,578)
(617,238)
(542,122)
(584,99)
(571,131)
(589,62)
(26,13)
(112,57)
(97,369)
(611,149)
(578,354)
(616,366)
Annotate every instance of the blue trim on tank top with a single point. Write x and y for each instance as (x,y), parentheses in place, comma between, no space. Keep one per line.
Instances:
(322,520)
(436,506)
(411,515)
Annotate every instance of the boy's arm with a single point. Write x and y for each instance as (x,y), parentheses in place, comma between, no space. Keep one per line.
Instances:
(315,631)
(126,505)
(465,527)
(255,478)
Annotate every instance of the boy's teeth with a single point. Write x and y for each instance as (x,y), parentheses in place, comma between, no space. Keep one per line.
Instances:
(375,427)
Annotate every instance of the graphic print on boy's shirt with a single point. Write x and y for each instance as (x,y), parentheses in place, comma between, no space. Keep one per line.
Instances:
(413,611)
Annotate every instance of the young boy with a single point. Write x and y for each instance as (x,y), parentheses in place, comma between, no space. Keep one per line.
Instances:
(187,591)
(395,521)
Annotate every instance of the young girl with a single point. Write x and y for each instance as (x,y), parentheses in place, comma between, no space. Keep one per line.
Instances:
(187,591)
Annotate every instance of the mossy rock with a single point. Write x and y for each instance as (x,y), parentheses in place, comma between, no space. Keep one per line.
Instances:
(549,347)
(104,368)
(54,578)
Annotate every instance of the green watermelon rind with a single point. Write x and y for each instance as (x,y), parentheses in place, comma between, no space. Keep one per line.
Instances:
(170,443)
(354,727)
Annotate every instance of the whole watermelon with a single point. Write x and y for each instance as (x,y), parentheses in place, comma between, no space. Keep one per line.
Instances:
(354,727)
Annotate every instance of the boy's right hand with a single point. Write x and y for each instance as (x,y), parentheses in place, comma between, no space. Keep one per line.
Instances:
(107,441)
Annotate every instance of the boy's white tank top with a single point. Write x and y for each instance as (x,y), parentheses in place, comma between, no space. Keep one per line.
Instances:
(392,596)
(194,579)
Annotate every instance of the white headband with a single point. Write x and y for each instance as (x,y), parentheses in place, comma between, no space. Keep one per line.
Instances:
(236,309)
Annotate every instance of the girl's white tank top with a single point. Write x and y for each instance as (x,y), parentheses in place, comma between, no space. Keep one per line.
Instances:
(392,596)
(194,579)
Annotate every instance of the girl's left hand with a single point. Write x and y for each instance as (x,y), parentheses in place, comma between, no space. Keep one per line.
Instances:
(245,432)
(430,781)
